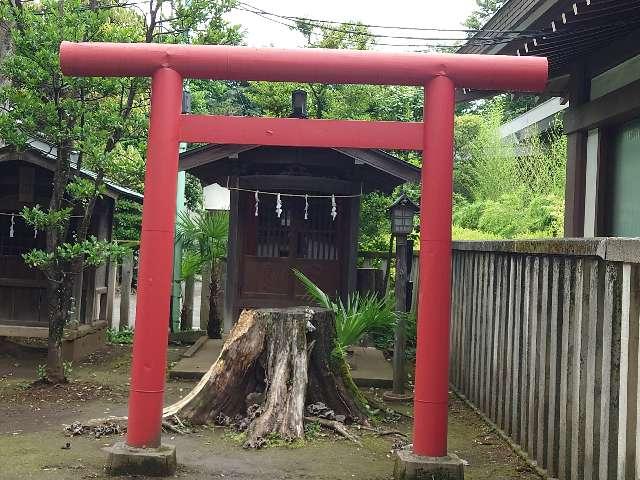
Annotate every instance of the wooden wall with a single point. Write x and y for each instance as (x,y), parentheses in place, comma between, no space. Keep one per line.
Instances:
(544,341)
(22,289)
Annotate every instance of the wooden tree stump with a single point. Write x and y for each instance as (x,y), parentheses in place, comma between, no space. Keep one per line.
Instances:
(273,364)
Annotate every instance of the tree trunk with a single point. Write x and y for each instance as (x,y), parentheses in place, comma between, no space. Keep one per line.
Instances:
(274,362)
(214,325)
(186,316)
(59,303)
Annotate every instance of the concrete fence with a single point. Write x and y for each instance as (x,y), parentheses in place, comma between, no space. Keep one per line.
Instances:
(544,341)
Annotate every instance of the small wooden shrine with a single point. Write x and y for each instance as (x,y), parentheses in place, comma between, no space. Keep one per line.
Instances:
(292,208)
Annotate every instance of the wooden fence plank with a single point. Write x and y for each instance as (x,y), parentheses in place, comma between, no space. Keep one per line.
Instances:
(453,321)
(610,374)
(484,320)
(534,352)
(594,358)
(556,334)
(629,339)
(524,353)
(517,357)
(461,324)
(504,344)
(566,369)
(465,324)
(497,339)
(578,366)
(542,402)
(492,322)
(508,380)
(475,327)
(468,292)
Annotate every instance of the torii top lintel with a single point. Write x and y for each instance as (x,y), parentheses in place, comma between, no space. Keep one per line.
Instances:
(483,72)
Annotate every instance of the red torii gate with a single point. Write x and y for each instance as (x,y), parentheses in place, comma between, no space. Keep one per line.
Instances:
(440,74)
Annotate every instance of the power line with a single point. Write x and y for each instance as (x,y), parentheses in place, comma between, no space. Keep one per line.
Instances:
(372,35)
(468,41)
(391,27)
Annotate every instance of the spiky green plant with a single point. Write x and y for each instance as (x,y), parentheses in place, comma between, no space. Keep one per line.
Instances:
(204,239)
(355,317)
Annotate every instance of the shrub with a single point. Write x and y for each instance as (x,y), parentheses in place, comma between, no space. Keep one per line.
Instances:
(460,233)
(121,337)
(359,315)
(508,188)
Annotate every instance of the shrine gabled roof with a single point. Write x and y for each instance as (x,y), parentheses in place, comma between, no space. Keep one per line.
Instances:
(564,31)
(378,161)
(45,155)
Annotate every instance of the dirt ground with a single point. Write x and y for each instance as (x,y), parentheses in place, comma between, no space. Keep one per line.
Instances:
(33,444)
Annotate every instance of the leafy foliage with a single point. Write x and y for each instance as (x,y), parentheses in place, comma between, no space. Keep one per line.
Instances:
(127,220)
(41,220)
(192,193)
(204,238)
(483,12)
(355,317)
(384,335)
(91,250)
(97,123)
(507,189)
(120,337)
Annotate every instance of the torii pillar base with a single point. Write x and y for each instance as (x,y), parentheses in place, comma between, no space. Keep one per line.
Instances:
(410,466)
(152,462)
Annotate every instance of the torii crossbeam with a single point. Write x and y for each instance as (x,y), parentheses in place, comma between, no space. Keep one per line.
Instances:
(168,65)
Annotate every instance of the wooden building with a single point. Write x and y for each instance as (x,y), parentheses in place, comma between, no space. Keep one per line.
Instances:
(26,180)
(268,240)
(593,48)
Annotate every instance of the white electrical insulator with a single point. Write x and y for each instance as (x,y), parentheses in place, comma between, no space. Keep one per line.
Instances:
(257,202)
(13,220)
(278,206)
(35,233)
(306,207)
(334,211)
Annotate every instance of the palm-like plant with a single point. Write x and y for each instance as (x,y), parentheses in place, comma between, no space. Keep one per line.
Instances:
(355,317)
(204,241)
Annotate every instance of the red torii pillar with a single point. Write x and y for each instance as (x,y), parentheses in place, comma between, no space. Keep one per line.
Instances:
(440,74)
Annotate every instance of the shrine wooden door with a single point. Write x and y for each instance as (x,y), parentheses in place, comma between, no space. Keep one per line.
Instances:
(275,245)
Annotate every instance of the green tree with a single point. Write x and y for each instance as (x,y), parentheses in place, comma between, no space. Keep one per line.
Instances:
(274,99)
(503,188)
(104,120)
(204,241)
(484,10)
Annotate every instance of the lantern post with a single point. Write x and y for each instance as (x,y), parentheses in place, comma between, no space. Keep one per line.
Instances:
(401,213)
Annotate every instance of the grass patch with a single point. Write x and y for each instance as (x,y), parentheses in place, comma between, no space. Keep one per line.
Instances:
(120,337)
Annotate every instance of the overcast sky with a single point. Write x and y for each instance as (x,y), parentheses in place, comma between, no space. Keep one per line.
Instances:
(411,13)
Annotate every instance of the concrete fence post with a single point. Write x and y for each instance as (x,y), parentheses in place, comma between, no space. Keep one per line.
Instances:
(125,290)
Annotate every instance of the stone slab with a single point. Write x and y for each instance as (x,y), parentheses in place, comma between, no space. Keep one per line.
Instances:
(369,368)
(193,349)
(415,467)
(189,337)
(196,365)
(152,462)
